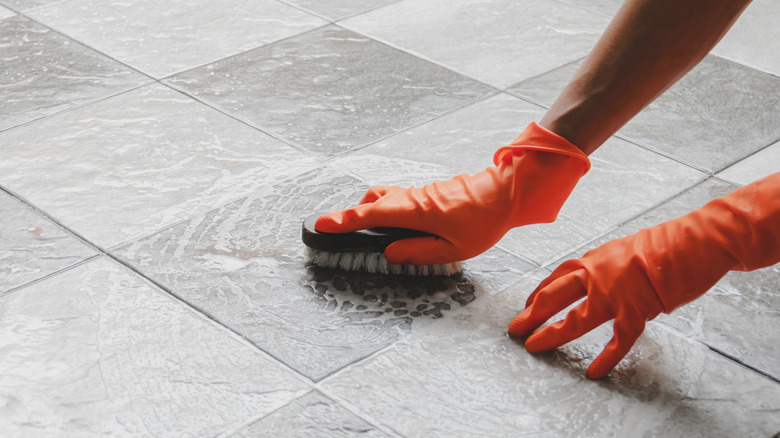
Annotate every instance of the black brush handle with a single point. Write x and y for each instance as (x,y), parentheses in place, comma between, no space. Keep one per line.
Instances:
(368,240)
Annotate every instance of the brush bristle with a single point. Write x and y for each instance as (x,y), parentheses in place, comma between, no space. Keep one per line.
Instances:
(376,263)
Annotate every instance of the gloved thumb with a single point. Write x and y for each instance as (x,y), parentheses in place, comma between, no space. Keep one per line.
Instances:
(429,250)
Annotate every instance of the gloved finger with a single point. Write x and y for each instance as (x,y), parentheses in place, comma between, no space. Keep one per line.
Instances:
(564,269)
(578,321)
(374,193)
(429,250)
(626,334)
(344,221)
(555,297)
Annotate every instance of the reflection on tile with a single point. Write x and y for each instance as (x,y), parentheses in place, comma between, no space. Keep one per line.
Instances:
(465,377)
(754,167)
(243,264)
(689,121)
(607,8)
(339,9)
(461,142)
(331,90)
(5,13)
(499,42)
(23,5)
(162,37)
(135,163)
(728,316)
(44,73)
(312,415)
(32,247)
(110,355)
(751,41)
(624,181)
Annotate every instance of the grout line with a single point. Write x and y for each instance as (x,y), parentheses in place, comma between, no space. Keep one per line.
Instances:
(50,275)
(740,362)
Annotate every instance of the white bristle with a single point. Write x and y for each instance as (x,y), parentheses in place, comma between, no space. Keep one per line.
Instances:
(376,263)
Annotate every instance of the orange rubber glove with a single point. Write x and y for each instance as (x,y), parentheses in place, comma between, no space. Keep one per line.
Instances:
(468,214)
(656,270)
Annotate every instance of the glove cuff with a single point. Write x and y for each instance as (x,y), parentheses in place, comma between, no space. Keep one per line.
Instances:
(537,138)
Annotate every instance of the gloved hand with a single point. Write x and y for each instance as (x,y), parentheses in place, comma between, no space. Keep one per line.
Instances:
(529,183)
(656,270)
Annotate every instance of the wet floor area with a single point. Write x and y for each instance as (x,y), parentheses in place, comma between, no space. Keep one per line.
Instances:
(158,158)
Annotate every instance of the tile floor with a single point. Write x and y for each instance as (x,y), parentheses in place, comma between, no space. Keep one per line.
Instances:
(158,157)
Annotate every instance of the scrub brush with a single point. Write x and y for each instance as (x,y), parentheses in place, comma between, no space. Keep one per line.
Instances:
(363,250)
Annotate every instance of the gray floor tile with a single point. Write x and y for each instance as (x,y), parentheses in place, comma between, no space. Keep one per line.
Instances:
(729,315)
(96,351)
(244,265)
(312,415)
(752,39)
(607,8)
(331,90)
(5,13)
(32,247)
(133,164)
(162,37)
(754,167)
(716,115)
(23,5)
(339,9)
(498,42)
(465,377)
(44,73)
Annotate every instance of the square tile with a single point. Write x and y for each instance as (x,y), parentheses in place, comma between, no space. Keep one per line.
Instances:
(727,316)
(130,165)
(339,9)
(162,37)
(32,247)
(751,41)
(716,115)
(244,265)
(109,354)
(331,90)
(465,377)
(757,166)
(498,42)
(44,73)
(312,415)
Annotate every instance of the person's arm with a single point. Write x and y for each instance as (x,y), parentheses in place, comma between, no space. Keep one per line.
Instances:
(658,269)
(646,48)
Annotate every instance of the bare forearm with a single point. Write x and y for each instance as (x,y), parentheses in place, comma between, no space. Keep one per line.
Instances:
(647,47)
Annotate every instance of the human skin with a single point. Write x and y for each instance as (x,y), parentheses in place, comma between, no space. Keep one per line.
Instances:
(647,47)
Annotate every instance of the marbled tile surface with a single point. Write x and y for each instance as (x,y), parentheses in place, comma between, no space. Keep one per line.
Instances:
(754,167)
(23,5)
(32,247)
(339,9)
(5,13)
(244,265)
(157,159)
(331,90)
(705,129)
(132,164)
(44,73)
(162,37)
(752,40)
(465,377)
(313,415)
(499,42)
(98,351)
(732,314)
